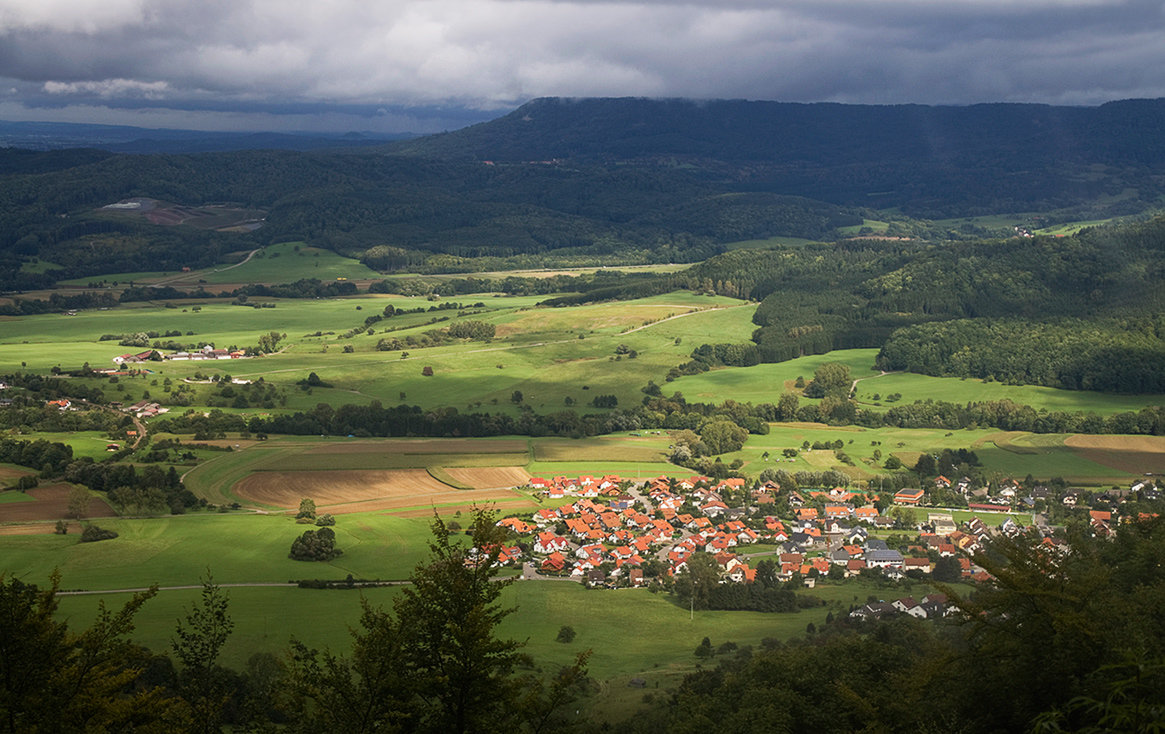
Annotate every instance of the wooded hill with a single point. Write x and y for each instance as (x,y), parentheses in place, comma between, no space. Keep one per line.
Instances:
(614,180)
(931,161)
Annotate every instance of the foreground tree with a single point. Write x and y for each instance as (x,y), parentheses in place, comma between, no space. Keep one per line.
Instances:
(449,617)
(436,663)
(53,680)
(198,640)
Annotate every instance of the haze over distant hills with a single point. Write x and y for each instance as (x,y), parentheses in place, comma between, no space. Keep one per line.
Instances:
(128,139)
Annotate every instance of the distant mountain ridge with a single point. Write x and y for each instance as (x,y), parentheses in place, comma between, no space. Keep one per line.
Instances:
(739,130)
(46,136)
(934,161)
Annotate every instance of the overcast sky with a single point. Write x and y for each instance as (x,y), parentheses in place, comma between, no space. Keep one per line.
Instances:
(428,65)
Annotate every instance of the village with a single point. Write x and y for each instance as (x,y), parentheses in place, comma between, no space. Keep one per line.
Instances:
(608,532)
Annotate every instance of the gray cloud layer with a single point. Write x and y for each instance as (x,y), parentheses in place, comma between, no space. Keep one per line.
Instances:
(320,64)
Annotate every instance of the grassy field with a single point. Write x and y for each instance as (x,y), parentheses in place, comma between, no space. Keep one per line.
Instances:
(84,443)
(766,382)
(236,547)
(1002,454)
(632,633)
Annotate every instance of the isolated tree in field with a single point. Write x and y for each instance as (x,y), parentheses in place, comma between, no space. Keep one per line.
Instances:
(78,506)
(199,639)
(315,545)
(269,342)
(831,378)
(307,510)
(427,371)
(516,397)
(695,582)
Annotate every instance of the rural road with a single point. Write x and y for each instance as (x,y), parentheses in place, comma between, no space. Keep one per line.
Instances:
(186,276)
(854,387)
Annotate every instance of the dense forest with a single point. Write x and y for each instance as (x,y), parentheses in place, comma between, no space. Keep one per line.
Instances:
(614,181)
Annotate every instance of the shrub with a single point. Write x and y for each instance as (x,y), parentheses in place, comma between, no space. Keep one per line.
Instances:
(315,545)
(92,534)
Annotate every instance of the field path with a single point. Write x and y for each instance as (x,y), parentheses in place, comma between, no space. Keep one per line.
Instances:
(681,315)
(187,276)
(854,387)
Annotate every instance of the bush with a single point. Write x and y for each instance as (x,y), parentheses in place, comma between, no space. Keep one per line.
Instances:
(566,634)
(315,545)
(92,534)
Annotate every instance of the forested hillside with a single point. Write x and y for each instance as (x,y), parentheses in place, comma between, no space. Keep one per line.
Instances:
(625,180)
(1079,312)
(932,161)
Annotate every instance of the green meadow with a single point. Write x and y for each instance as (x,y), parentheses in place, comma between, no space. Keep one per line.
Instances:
(766,382)
(238,547)
(283,263)
(631,632)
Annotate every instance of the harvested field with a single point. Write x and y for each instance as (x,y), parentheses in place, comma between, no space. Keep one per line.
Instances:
(519,503)
(387,460)
(1144,444)
(346,491)
(287,488)
(422,446)
(493,477)
(597,450)
(50,503)
(1132,454)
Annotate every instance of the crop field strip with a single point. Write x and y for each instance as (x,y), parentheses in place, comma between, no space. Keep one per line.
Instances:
(47,503)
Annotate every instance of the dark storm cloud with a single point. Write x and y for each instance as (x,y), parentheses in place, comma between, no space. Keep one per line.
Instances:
(350,58)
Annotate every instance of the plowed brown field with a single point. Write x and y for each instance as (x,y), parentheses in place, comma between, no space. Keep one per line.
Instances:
(1134,454)
(50,503)
(358,491)
(492,477)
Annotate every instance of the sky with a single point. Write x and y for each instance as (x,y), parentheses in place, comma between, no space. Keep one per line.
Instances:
(429,65)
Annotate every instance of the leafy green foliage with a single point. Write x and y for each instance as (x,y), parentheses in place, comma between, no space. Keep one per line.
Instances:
(315,545)
(53,679)
(1075,354)
(197,643)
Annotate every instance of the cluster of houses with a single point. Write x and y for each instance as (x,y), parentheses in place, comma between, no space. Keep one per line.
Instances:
(614,528)
(931,606)
(154,355)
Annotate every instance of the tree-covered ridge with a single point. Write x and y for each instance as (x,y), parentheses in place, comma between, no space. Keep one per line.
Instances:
(360,202)
(1104,354)
(638,181)
(932,161)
